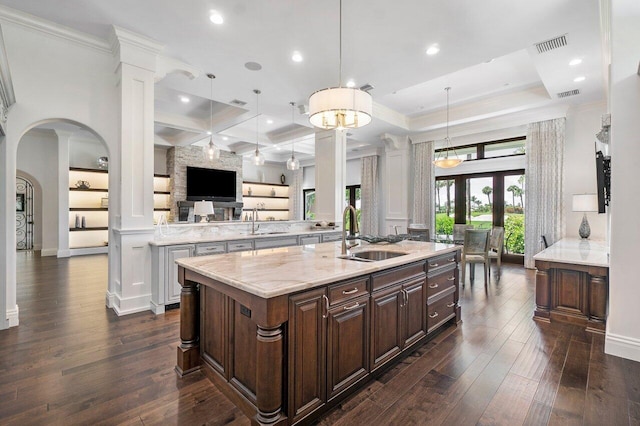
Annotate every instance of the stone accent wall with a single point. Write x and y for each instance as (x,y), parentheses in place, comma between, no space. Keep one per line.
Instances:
(178,158)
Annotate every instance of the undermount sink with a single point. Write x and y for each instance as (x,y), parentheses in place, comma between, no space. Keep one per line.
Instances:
(373,255)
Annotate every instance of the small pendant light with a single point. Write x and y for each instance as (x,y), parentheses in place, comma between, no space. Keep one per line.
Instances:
(211,151)
(258,157)
(444,161)
(293,163)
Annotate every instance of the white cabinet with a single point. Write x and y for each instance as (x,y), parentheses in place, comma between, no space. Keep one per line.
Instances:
(172,286)
(233,246)
(263,243)
(309,239)
(205,249)
(331,236)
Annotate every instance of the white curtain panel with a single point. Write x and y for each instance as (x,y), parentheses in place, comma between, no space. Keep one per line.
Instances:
(543,191)
(424,178)
(295,194)
(369,195)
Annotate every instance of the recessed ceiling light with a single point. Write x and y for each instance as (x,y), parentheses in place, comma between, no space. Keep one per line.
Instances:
(184,99)
(432,50)
(209,132)
(278,148)
(296,56)
(224,138)
(579,79)
(253,66)
(351,83)
(576,61)
(215,17)
(269,121)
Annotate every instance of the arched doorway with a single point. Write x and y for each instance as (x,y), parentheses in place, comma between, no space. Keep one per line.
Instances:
(25,200)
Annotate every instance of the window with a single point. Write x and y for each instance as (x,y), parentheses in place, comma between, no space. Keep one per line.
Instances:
(493,149)
(484,200)
(351,197)
(309,196)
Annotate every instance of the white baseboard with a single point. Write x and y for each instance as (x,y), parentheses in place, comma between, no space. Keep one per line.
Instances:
(130,305)
(64,253)
(49,252)
(12,316)
(622,346)
(156,309)
(109,299)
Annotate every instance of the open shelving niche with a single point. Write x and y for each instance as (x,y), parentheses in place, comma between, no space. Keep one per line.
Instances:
(276,205)
(88,203)
(160,197)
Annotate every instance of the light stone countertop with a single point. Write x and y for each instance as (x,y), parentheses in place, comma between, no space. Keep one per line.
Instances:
(275,272)
(576,251)
(195,233)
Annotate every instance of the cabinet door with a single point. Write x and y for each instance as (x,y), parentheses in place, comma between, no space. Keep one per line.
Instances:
(309,239)
(307,353)
(348,345)
(415,326)
(172,286)
(386,325)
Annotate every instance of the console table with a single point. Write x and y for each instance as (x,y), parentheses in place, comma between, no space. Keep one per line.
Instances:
(572,283)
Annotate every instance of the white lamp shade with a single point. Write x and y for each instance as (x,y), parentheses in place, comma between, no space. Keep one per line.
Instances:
(203,208)
(585,203)
(340,107)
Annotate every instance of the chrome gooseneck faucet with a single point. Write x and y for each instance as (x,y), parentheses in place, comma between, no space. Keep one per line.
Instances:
(352,231)
(254,217)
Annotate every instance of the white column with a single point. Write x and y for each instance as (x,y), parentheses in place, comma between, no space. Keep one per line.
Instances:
(63,193)
(131,196)
(623,334)
(331,164)
(397,185)
(8,305)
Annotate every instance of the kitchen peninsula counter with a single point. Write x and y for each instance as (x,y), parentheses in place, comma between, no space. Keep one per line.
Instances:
(287,333)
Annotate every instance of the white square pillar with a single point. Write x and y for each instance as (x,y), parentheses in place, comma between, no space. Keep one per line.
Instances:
(331,164)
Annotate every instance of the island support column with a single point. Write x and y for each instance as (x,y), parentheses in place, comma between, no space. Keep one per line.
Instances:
(270,370)
(189,350)
(543,293)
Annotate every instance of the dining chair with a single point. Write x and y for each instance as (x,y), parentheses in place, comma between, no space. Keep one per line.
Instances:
(496,246)
(475,250)
(418,232)
(458,231)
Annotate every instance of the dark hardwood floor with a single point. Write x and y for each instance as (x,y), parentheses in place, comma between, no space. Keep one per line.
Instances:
(73,361)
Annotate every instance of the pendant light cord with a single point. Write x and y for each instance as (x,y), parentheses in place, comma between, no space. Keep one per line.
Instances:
(293,121)
(257,92)
(340,75)
(211,76)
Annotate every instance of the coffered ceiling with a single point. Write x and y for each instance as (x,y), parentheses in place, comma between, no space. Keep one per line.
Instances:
(488,56)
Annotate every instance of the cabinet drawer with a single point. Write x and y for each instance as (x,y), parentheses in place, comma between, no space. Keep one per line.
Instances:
(214,248)
(396,275)
(441,311)
(342,292)
(441,282)
(331,237)
(239,246)
(276,242)
(442,261)
(309,239)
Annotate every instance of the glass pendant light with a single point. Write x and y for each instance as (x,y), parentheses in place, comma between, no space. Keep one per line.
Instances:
(445,161)
(258,157)
(293,163)
(211,151)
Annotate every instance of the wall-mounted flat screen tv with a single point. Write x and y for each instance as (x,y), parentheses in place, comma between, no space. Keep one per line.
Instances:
(210,184)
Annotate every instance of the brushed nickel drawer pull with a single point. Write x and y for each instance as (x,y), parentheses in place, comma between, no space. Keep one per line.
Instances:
(435,314)
(452,260)
(434,265)
(451,279)
(433,285)
(451,305)
(348,308)
(355,290)
(326,306)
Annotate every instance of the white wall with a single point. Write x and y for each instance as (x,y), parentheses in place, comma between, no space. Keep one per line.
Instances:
(38,156)
(583,122)
(268,173)
(84,152)
(160,161)
(623,333)
(354,175)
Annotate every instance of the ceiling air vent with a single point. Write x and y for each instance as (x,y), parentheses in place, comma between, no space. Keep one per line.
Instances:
(569,93)
(366,87)
(554,43)
(238,102)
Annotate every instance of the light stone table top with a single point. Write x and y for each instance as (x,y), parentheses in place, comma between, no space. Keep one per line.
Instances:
(275,272)
(576,251)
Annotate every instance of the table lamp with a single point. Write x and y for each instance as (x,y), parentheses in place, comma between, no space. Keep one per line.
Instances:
(585,203)
(203,209)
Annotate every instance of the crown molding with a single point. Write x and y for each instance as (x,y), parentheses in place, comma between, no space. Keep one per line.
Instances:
(52,29)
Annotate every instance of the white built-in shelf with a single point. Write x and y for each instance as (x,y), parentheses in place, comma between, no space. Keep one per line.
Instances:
(87,203)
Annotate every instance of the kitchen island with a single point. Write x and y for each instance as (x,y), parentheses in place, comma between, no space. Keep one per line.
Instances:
(287,333)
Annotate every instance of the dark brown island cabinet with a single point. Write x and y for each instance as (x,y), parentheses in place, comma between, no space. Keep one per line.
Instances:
(288,359)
